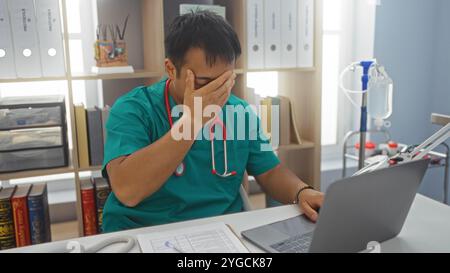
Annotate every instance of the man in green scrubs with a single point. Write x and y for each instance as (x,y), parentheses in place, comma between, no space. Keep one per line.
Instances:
(158,177)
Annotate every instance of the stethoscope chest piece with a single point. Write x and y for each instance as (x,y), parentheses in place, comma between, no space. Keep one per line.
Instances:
(180,170)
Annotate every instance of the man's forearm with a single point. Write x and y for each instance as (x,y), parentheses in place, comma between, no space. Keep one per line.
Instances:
(281,184)
(144,172)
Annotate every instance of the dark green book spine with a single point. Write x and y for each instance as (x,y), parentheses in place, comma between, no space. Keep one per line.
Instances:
(7,233)
(47,225)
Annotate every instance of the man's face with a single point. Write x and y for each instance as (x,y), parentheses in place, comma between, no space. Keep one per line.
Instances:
(204,73)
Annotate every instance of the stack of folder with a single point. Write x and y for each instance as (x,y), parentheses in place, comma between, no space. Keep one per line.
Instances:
(31,39)
(280,34)
(277,118)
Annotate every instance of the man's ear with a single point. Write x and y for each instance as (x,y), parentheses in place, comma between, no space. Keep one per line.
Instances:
(170,69)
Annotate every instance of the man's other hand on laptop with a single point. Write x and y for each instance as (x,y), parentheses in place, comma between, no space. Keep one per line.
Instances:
(310,202)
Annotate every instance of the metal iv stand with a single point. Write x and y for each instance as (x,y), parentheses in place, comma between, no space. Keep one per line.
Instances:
(363,127)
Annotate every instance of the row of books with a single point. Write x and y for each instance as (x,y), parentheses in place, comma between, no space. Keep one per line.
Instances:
(277,118)
(24,216)
(94,193)
(280,34)
(31,42)
(91,134)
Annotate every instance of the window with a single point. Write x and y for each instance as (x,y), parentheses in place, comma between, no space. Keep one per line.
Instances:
(348,36)
(264,83)
(332,15)
(81,21)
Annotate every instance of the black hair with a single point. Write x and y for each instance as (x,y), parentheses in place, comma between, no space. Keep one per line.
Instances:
(205,30)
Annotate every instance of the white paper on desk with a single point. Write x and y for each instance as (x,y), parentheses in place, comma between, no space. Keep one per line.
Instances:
(209,238)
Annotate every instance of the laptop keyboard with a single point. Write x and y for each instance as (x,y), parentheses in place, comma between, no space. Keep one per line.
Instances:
(295,244)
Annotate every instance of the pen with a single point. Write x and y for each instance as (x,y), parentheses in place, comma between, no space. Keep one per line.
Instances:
(98,31)
(122,33)
(170,245)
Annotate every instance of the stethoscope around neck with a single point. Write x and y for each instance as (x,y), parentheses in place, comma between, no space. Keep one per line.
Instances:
(216,122)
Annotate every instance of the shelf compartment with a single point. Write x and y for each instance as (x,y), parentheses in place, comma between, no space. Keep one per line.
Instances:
(299,69)
(40,172)
(304,145)
(138,74)
(35,173)
(42,79)
(91,169)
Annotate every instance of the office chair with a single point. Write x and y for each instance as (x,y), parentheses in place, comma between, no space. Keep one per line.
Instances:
(245,199)
(244,195)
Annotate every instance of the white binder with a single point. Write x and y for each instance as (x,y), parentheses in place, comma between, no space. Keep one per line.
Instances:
(289,33)
(25,38)
(272,26)
(50,37)
(255,34)
(7,68)
(306,34)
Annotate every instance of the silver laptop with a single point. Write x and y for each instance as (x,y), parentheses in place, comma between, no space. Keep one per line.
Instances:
(356,211)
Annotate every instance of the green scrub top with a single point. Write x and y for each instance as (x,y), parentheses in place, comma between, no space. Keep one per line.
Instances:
(138,119)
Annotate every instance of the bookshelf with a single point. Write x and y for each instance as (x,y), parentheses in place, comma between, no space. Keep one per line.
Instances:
(301,85)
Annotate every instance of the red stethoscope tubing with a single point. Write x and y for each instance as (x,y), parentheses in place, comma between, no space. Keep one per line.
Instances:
(217,121)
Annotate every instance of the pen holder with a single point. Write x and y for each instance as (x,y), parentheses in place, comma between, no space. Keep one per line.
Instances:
(110,53)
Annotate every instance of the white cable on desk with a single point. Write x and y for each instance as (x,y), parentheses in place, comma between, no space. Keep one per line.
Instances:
(127,242)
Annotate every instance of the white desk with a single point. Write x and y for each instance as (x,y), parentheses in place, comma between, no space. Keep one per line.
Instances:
(427,228)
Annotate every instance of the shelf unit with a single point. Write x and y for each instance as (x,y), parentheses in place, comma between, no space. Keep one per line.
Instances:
(301,85)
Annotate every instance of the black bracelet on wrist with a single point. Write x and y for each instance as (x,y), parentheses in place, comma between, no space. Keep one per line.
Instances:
(299,191)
